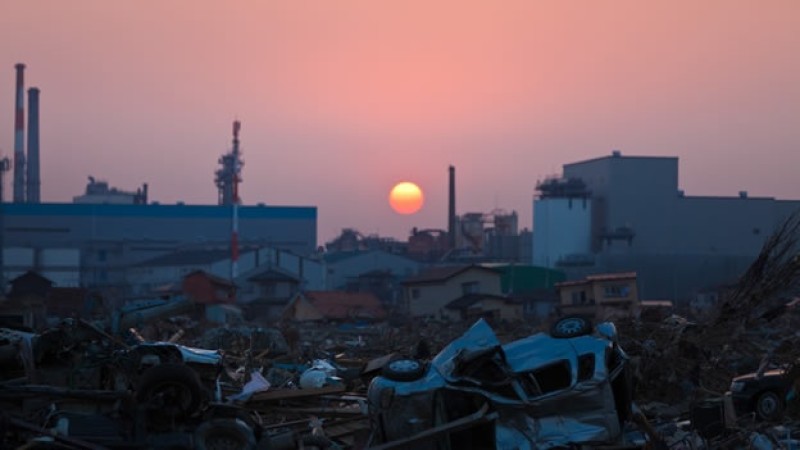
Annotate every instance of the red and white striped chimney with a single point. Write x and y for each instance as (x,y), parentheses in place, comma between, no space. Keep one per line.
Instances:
(19,137)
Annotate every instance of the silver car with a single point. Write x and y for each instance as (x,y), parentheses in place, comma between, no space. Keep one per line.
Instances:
(571,386)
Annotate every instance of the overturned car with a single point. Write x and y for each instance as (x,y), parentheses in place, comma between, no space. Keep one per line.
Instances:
(569,387)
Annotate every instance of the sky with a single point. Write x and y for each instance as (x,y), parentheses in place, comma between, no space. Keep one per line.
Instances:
(339,100)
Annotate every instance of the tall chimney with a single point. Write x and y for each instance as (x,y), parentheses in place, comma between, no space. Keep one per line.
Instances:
(34,182)
(19,137)
(451,213)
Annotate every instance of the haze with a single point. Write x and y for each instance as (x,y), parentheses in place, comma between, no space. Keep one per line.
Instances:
(339,100)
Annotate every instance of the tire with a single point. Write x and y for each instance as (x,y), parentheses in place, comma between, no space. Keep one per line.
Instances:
(404,369)
(769,406)
(170,392)
(570,327)
(224,434)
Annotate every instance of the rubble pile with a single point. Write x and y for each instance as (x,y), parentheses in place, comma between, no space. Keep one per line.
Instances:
(754,324)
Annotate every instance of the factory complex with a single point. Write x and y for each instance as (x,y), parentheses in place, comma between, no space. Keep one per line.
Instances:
(612,214)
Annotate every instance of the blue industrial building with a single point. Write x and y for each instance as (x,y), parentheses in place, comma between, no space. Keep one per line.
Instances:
(102,240)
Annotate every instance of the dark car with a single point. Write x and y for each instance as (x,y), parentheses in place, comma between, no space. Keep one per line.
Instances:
(764,393)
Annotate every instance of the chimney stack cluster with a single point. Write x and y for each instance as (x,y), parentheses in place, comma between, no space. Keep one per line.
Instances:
(27,181)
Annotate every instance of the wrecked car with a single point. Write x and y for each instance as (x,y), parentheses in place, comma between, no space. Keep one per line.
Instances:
(764,392)
(173,380)
(571,386)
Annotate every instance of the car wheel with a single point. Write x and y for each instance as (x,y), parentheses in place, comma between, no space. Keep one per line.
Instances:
(169,392)
(404,369)
(569,327)
(224,434)
(769,405)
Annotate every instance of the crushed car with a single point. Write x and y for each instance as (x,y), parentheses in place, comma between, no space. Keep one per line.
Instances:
(569,387)
(172,381)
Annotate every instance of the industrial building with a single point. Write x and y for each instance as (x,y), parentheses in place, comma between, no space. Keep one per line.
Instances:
(94,240)
(110,237)
(626,214)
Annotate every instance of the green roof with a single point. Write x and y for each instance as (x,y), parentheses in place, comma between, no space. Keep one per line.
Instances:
(528,279)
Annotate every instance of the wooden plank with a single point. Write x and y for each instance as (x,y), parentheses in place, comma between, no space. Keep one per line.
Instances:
(284,394)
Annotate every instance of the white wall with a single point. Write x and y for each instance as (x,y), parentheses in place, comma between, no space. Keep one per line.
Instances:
(561,227)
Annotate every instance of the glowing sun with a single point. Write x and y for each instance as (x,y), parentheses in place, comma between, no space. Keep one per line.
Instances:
(406,198)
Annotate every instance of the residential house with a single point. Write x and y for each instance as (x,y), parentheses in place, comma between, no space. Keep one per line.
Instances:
(600,296)
(428,293)
(336,306)
(706,300)
(25,305)
(375,271)
(470,307)
(147,277)
(207,289)
(274,288)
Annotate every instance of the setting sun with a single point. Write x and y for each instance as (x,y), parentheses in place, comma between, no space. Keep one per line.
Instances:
(406,198)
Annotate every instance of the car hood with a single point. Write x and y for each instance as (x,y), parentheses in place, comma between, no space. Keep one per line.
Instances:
(774,373)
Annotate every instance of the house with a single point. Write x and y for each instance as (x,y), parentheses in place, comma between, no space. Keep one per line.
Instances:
(25,305)
(274,288)
(470,307)
(428,293)
(705,300)
(204,288)
(375,271)
(30,284)
(338,306)
(600,296)
(145,277)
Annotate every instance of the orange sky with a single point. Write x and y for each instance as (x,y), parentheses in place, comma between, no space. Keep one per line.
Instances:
(341,99)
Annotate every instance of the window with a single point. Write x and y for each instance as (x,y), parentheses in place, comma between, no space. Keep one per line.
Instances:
(470,287)
(102,255)
(415,293)
(617,291)
(579,298)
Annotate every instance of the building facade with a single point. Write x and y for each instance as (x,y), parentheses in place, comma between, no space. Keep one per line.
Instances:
(639,220)
(112,237)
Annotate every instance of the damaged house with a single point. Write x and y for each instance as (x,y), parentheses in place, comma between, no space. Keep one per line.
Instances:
(334,306)
(430,292)
(600,296)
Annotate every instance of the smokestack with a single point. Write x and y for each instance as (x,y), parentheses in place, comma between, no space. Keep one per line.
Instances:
(451,213)
(19,137)
(33,146)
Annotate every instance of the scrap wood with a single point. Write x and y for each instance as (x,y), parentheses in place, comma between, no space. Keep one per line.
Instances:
(284,394)
(45,390)
(320,411)
(19,423)
(343,427)
(463,423)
